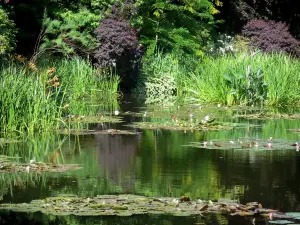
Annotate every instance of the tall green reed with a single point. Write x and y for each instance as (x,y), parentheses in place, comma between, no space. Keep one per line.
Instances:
(25,105)
(35,98)
(265,79)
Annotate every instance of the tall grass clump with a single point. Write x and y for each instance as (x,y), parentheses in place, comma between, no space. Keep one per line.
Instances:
(25,103)
(36,97)
(85,85)
(242,78)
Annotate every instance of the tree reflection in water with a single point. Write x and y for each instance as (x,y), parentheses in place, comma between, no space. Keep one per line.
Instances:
(116,155)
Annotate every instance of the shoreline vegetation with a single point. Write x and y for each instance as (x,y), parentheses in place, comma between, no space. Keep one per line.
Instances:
(261,79)
(37,97)
(81,54)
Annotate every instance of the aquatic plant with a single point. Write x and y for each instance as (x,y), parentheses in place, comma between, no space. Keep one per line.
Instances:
(9,166)
(25,104)
(128,205)
(263,79)
(36,96)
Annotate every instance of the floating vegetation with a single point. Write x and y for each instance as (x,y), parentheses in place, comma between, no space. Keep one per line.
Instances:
(8,166)
(295,130)
(247,144)
(266,115)
(282,222)
(207,126)
(93,119)
(89,132)
(128,205)
(8,141)
(174,126)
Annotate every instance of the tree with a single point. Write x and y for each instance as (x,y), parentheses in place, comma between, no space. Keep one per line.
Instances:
(237,13)
(183,26)
(118,43)
(70,30)
(271,36)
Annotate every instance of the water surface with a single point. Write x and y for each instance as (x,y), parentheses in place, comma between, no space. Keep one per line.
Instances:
(157,163)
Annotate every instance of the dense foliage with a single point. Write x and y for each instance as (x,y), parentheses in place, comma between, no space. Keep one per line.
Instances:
(161,47)
(237,13)
(71,32)
(118,42)
(7,33)
(180,26)
(271,36)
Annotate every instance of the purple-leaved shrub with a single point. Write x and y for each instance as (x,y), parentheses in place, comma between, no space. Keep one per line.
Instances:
(271,36)
(118,39)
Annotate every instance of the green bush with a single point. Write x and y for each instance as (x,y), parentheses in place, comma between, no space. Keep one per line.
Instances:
(158,81)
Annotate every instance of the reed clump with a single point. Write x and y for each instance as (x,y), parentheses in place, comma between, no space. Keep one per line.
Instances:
(34,97)
(234,79)
(245,79)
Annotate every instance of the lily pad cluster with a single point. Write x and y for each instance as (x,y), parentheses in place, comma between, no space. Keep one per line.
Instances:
(247,144)
(89,132)
(267,115)
(8,166)
(93,119)
(127,205)
(213,126)
(8,141)
(295,130)
(182,126)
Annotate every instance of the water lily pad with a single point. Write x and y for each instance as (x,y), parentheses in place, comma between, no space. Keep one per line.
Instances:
(281,222)
(267,115)
(293,214)
(123,205)
(295,130)
(247,144)
(93,119)
(8,141)
(181,126)
(90,132)
(227,200)
(9,166)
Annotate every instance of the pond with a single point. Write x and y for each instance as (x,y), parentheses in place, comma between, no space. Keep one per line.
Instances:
(161,163)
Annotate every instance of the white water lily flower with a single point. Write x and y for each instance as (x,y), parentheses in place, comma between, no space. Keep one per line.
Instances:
(32,161)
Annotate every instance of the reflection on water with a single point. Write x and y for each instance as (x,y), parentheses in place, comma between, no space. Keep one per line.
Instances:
(40,219)
(156,163)
(116,155)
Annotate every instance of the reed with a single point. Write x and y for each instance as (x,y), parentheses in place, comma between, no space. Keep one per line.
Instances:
(261,79)
(36,97)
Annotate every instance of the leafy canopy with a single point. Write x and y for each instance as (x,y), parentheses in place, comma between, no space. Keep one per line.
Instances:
(70,29)
(182,26)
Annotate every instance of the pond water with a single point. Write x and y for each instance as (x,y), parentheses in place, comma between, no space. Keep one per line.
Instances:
(158,163)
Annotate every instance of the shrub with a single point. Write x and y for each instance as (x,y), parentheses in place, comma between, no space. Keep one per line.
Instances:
(271,36)
(158,81)
(117,39)
(119,46)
